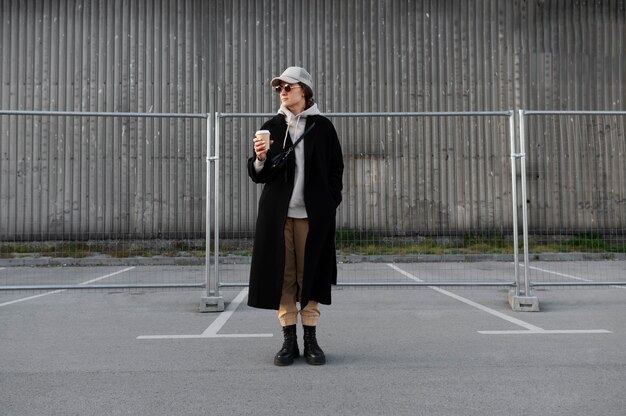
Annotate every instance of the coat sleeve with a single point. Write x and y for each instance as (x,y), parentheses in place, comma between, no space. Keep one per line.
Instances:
(336,168)
(257,177)
(264,175)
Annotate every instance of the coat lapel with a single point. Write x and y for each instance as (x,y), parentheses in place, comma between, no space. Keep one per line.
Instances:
(281,126)
(309,145)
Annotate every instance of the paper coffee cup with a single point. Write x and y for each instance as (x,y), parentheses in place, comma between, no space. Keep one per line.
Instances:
(265,136)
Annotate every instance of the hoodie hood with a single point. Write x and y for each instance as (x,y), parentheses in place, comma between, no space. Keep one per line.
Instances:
(289,116)
(293,120)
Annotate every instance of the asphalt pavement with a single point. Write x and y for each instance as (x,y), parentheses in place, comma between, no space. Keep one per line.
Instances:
(390,351)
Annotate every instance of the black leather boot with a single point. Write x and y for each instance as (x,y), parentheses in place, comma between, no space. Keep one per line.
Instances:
(289,351)
(312,352)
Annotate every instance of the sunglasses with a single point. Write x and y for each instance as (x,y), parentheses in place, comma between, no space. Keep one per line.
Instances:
(279,88)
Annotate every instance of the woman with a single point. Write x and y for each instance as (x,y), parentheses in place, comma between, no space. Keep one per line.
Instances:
(293,259)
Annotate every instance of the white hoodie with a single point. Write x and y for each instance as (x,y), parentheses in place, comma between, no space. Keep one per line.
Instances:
(296,125)
(295,128)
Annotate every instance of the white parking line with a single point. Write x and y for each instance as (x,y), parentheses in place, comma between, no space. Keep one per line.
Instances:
(530,328)
(63,290)
(559,274)
(30,298)
(566,275)
(216,326)
(106,276)
(547,332)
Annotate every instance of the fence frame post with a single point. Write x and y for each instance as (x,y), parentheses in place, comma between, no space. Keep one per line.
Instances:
(212,299)
(521,301)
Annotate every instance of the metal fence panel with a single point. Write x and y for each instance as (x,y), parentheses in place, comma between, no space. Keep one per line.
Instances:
(576,187)
(125,238)
(392,210)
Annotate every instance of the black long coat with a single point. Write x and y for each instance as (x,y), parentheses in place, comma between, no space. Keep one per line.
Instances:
(322,195)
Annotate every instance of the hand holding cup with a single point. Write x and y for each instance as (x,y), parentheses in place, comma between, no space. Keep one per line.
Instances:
(261,144)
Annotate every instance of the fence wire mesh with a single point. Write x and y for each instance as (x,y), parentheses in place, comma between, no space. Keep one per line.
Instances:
(99,196)
(427,200)
(576,187)
(429,190)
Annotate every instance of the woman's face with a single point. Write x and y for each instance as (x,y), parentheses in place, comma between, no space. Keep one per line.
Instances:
(294,99)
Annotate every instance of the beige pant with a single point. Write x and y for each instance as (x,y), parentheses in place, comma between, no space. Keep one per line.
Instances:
(296,230)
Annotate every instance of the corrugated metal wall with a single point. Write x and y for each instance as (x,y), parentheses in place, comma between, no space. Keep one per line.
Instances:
(576,172)
(82,178)
(72,177)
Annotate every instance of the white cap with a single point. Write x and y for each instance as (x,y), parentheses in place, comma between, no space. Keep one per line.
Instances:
(293,75)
